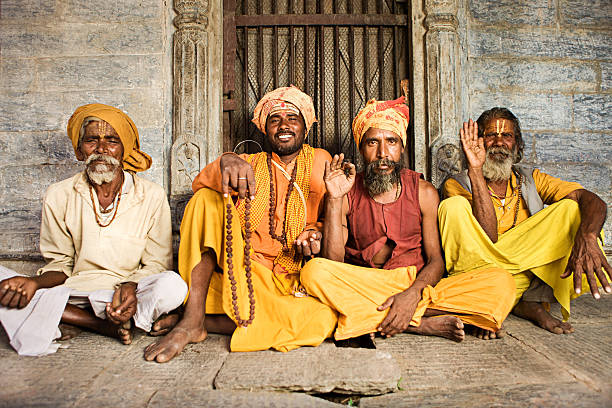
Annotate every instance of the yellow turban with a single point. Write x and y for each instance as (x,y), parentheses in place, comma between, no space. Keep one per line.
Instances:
(273,100)
(133,158)
(386,115)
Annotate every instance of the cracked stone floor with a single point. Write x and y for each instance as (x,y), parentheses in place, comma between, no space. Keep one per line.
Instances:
(528,367)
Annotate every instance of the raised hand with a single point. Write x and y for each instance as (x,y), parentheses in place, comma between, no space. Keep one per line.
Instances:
(339,176)
(16,292)
(238,175)
(473,146)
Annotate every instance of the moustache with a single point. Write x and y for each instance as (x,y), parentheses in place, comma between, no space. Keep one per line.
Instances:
(384,162)
(110,160)
(499,150)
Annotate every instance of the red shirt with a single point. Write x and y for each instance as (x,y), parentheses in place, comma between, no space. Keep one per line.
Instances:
(371,224)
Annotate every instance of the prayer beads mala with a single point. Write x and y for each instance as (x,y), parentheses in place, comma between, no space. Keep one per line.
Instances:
(283,237)
(247,261)
(518,201)
(115,206)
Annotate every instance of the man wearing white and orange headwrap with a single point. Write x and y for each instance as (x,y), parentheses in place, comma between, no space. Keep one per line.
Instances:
(107,238)
(279,197)
(383,224)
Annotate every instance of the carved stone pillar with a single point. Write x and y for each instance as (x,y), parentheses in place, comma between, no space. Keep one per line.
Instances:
(197,94)
(443,87)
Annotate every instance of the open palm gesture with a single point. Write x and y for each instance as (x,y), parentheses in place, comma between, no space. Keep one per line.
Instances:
(339,176)
(473,146)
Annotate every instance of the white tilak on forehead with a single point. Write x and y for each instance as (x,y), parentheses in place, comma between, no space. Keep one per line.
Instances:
(503,125)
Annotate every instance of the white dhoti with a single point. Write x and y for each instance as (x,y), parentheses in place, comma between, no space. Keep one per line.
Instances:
(33,329)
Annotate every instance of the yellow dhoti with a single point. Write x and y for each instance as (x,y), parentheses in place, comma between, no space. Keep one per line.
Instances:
(282,321)
(482,298)
(540,246)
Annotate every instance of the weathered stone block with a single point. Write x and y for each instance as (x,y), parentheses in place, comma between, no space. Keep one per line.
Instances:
(516,395)
(321,369)
(24,184)
(431,363)
(576,13)
(541,43)
(17,74)
(575,147)
(216,398)
(594,177)
(512,75)
(119,10)
(534,12)
(30,111)
(107,72)
(64,39)
(34,148)
(592,112)
(606,76)
(153,142)
(27,9)
(535,111)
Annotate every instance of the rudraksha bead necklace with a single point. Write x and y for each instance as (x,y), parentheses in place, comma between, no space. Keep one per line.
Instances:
(283,237)
(247,261)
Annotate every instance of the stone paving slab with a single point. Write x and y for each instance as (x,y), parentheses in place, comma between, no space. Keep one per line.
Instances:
(530,395)
(322,369)
(432,362)
(190,398)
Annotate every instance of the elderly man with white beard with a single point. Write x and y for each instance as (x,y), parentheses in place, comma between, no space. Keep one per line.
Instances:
(495,216)
(106,236)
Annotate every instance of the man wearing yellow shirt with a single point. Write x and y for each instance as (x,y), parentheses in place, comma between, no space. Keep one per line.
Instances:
(495,216)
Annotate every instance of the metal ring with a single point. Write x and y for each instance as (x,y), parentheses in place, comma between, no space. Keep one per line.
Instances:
(242,178)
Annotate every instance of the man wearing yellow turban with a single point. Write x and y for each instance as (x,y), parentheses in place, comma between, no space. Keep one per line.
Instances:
(241,254)
(383,223)
(107,238)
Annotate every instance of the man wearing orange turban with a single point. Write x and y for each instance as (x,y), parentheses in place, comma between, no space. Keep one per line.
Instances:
(255,240)
(106,235)
(383,224)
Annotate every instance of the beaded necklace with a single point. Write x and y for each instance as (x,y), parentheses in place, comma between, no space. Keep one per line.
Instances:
(247,261)
(115,207)
(283,237)
(518,201)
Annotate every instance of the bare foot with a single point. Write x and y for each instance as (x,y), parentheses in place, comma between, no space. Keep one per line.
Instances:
(68,331)
(164,324)
(535,312)
(450,327)
(168,347)
(123,331)
(485,334)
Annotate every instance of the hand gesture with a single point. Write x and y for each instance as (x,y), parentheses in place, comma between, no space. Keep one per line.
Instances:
(473,146)
(237,174)
(16,292)
(587,258)
(402,309)
(123,306)
(339,176)
(308,243)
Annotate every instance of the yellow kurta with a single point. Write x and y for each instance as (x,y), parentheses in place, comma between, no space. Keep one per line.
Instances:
(282,321)
(482,298)
(136,244)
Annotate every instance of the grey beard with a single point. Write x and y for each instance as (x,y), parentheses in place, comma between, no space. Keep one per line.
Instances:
(498,170)
(377,183)
(102,173)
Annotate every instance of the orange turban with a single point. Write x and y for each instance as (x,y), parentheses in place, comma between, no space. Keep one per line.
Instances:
(133,158)
(386,115)
(291,95)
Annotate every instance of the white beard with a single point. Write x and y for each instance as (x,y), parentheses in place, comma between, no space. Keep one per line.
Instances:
(498,170)
(101,173)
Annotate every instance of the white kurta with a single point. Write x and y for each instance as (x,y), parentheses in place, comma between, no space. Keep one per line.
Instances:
(135,247)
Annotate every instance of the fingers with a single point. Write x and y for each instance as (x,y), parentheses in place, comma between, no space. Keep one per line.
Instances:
(315,246)
(15,299)
(25,299)
(225,178)
(351,169)
(605,280)
(387,304)
(327,169)
(9,293)
(250,174)
(578,278)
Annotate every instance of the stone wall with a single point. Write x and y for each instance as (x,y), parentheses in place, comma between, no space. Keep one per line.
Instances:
(550,62)
(55,56)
